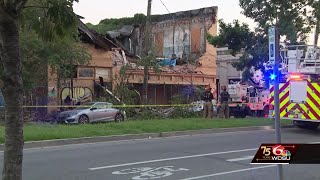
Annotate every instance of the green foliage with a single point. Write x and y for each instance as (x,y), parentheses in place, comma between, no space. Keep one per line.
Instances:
(123,89)
(114,23)
(38,132)
(37,55)
(150,61)
(64,55)
(34,59)
(50,19)
(48,38)
(292,17)
(236,36)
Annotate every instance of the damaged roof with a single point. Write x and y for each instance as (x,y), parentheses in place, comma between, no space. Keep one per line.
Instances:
(101,41)
(207,12)
(124,31)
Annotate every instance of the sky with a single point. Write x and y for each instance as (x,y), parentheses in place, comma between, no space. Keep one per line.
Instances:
(96,10)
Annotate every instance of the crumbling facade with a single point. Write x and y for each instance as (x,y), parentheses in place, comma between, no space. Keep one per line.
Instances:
(181,35)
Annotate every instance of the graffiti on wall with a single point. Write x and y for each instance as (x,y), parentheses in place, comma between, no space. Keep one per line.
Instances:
(80,94)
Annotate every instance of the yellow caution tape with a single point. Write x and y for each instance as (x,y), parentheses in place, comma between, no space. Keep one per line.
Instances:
(124,106)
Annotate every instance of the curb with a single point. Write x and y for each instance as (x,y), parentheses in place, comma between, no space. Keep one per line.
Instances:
(84,140)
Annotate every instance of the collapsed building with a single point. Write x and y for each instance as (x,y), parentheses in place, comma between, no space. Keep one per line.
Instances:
(179,43)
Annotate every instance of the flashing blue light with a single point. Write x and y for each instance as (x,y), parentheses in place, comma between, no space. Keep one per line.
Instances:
(272,76)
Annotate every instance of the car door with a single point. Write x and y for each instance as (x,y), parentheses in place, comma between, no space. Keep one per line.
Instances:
(108,113)
(97,112)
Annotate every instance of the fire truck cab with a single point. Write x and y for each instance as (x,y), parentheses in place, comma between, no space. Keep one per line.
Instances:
(299,92)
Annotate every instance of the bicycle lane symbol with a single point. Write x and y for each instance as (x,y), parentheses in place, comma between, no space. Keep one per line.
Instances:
(145,173)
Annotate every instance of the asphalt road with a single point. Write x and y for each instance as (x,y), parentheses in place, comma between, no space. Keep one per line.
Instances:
(216,156)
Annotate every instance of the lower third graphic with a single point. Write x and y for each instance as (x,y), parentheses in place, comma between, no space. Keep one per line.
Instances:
(275,154)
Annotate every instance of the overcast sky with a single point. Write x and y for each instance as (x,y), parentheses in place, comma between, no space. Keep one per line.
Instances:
(95,10)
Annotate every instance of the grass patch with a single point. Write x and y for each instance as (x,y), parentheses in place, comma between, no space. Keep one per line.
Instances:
(47,132)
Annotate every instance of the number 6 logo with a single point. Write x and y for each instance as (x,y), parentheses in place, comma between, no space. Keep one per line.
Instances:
(277,150)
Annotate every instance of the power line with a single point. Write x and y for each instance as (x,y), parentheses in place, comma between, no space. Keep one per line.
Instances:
(164,6)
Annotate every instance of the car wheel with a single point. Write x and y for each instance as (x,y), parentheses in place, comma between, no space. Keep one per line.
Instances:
(119,117)
(84,119)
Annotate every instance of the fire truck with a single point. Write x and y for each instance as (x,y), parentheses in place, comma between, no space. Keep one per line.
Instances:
(249,100)
(299,92)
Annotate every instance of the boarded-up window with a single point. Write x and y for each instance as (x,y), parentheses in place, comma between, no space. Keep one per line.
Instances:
(158,41)
(195,40)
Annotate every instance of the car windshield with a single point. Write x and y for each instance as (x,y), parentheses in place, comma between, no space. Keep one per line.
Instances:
(84,106)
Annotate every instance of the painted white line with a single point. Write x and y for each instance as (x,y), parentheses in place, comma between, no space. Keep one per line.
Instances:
(240,159)
(271,163)
(314,143)
(170,159)
(229,172)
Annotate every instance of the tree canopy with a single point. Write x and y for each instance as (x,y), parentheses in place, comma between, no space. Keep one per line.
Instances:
(116,23)
(292,17)
(239,38)
(295,20)
(43,48)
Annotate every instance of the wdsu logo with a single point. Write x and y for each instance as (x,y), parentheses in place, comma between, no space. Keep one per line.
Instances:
(280,153)
(274,153)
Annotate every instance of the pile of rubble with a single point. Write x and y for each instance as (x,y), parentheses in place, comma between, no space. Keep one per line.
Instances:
(184,69)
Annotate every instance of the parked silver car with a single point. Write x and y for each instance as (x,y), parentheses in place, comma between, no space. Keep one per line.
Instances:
(91,112)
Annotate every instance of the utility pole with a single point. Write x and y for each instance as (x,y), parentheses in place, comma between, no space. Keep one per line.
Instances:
(274,59)
(317,32)
(147,44)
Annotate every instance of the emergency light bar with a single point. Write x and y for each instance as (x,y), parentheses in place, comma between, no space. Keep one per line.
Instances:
(297,77)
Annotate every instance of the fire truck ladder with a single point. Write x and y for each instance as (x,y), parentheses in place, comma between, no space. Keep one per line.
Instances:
(303,59)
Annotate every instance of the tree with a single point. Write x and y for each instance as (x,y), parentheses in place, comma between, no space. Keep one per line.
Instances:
(148,62)
(292,17)
(114,23)
(123,89)
(315,4)
(238,38)
(61,55)
(51,19)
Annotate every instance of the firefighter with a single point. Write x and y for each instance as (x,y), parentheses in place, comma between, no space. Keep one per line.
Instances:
(224,98)
(207,106)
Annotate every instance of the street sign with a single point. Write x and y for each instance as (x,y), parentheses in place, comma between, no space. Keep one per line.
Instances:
(272,45)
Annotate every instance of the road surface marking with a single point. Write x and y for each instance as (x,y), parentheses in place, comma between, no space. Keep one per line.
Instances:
(142,173)
(314,143)
(229,172)
(170,159)
(240,159)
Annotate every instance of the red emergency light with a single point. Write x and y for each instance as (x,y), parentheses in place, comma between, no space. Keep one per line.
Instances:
(295,77)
